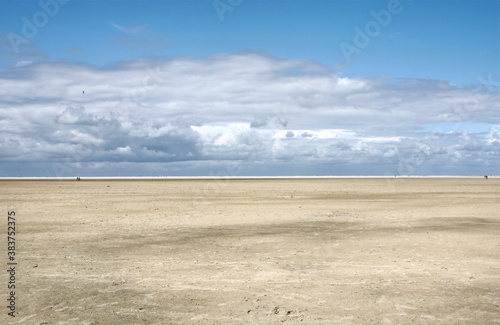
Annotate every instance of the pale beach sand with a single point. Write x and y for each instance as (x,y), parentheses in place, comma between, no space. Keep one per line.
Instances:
(267,251)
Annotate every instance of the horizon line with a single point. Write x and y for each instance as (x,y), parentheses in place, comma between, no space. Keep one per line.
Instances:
(6,178)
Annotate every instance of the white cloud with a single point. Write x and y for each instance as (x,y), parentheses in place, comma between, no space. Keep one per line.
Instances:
(23,63)
(137,37)
(135,29)
(248,108)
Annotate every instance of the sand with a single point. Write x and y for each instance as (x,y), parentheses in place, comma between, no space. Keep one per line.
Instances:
(315,251)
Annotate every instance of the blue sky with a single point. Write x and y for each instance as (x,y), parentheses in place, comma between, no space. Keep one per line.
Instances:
(455,41)
(425,78)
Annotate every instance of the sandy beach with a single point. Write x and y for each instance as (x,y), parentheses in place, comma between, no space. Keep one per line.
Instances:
(294,251)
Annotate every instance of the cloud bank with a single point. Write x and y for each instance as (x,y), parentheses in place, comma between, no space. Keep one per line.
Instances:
(239,114)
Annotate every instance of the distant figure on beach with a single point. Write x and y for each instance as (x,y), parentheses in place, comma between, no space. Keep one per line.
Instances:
(485,176)
(78,178)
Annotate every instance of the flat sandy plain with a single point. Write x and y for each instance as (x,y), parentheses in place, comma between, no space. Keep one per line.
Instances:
(299,251)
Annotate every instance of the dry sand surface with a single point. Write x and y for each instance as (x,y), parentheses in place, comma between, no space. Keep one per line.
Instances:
(323,251)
